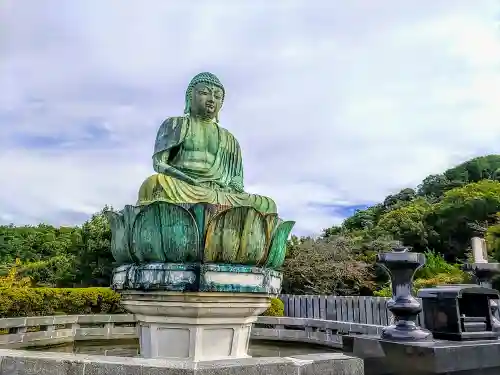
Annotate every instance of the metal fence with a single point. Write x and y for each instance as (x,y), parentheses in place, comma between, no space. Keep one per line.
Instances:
(356,309)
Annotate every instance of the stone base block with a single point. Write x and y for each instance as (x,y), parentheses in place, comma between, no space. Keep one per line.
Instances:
(194,277)
(194,326)
(438,357)
(40,363)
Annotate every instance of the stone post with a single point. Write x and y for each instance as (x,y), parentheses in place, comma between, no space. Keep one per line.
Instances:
(401,266)
(479,250)
(484,273)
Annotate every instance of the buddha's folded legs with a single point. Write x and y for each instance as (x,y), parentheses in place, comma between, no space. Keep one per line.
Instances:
(169,189)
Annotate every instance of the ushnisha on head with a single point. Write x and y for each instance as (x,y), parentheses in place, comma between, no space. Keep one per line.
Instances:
(204,96)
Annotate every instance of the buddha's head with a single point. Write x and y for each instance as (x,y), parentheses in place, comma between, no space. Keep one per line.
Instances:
(204,96)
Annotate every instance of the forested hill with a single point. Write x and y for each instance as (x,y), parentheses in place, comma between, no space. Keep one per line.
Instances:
(441,214)
(438,217)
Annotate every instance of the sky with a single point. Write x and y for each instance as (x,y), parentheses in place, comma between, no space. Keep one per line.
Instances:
(335,103)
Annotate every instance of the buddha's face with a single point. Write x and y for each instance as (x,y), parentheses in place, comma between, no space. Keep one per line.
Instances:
(206,101)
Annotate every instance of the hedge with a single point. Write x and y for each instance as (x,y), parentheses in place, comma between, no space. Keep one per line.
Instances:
(24,301)
(57,301)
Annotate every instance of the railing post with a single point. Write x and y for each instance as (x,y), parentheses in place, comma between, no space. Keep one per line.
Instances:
(401,265)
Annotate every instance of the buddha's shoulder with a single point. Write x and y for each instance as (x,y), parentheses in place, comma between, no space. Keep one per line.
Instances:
(227,133)
(175,120)
(171,124)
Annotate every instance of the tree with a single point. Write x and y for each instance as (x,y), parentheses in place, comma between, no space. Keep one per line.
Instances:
(402,198)
(363,219)
(326,266)
(332,231)
(407,224)
(94,261)
(434,186)
(474,170)
(456,215)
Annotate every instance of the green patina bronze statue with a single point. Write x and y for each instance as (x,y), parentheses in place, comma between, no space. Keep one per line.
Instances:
(193,219)
(196,244)
(196,160)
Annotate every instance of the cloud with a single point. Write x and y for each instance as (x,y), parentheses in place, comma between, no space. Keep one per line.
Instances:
(335,104)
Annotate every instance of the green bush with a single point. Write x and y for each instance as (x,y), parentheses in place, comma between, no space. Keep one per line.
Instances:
(277,308)
(23,301)
(435,272)
(436,265)
(439,279)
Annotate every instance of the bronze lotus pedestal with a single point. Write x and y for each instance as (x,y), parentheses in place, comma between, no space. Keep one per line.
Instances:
(196,277)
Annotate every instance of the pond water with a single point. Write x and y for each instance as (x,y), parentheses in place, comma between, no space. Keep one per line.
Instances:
(130,348)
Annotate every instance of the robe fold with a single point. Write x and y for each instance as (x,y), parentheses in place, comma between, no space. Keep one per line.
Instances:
(219,183)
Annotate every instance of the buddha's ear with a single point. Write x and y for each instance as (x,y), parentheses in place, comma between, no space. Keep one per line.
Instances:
(218,112)
(189,99)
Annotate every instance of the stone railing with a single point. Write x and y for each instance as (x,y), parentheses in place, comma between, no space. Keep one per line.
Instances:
(312,331)
(54,330)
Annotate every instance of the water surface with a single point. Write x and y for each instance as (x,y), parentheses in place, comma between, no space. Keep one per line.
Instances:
(130,348)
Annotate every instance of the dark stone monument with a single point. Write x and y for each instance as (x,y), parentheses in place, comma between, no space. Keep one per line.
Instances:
(406,349)
(484,273)
(459,312)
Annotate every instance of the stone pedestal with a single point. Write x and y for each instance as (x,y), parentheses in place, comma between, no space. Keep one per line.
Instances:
(197,326)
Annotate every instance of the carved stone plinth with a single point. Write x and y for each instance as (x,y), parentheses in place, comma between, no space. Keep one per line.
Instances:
(192,277)
(194,326)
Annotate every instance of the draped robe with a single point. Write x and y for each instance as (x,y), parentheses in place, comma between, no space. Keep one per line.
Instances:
(176,143)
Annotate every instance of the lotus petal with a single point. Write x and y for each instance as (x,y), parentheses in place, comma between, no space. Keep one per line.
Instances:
(180,235)
(253,238)
(236,235)
(120,224)
(202,213)
(165,232)
(277,250)
(272,221)
(146,235)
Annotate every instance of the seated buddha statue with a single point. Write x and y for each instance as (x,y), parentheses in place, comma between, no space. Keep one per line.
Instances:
(195,159)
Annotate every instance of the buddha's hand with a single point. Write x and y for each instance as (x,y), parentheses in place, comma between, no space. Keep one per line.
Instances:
(166,169)
(221,186)
(194,182)
(236,185)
